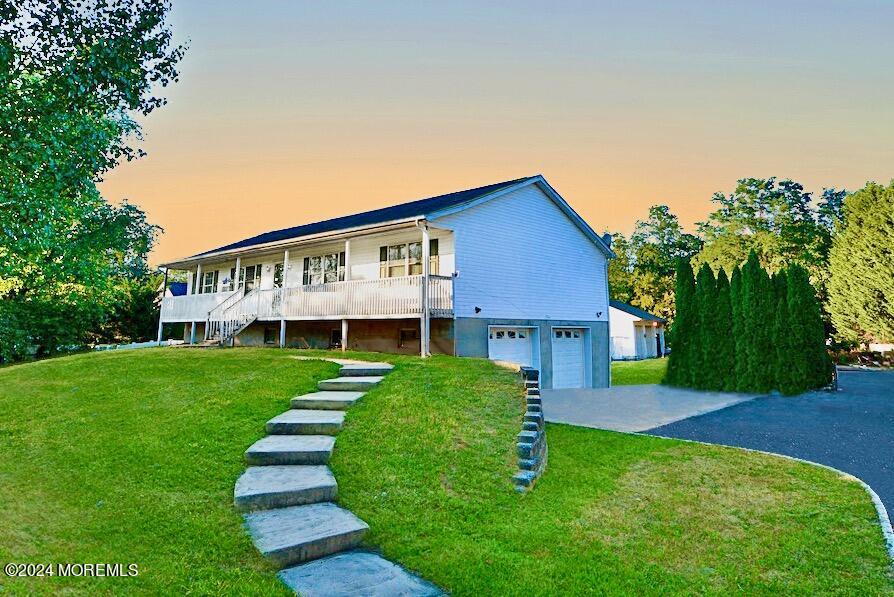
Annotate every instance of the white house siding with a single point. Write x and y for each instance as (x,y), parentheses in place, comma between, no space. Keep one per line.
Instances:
(520,257)
(623,336)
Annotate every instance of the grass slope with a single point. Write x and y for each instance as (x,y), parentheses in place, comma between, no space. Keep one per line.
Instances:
(647,371)
(131,457)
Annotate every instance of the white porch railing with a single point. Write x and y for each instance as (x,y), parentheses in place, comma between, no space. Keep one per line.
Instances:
(358,299)
(192,307)
(354,299)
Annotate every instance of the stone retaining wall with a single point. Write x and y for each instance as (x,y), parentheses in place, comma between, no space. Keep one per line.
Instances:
(531,446)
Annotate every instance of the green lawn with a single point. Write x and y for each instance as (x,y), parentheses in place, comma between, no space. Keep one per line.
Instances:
(648,371)
(132,456)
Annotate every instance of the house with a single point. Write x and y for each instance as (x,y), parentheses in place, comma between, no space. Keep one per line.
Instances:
(635,334)
(507,271)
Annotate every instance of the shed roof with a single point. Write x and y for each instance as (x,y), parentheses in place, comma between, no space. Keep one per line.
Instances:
(636,311)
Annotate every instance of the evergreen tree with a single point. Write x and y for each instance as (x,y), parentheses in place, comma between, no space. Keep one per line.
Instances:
(785,365)
(812,364)
(679,366)
(708,377)
(725,345)
(758,307)
(739,338)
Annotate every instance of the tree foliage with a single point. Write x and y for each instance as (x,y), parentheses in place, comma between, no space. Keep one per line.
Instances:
(72,78)
(753,334)
(861,285)
(643,272)
(680,370)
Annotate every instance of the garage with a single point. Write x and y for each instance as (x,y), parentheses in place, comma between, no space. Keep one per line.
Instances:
(568,358)
(512,344)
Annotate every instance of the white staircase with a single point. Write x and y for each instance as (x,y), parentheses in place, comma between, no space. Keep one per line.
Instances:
(232,316)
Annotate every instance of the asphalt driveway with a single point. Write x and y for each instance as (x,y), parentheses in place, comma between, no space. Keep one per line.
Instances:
(851,430)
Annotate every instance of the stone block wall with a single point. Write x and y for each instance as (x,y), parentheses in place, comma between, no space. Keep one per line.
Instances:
(531,446)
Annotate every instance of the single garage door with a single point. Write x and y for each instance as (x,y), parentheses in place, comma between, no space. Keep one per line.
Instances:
(510,344)
(568,358)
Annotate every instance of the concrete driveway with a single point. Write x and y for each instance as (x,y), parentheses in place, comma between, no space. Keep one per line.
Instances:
(632,408)
(851,430)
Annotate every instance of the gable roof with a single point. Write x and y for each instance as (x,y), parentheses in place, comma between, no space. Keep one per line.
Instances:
(429,208)
(635,311)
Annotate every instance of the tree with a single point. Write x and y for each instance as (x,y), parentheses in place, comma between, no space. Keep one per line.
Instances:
(861,264)
(739,327)
(787,361)
(725,340)
(643,273)
(620,270)
(72,78)
(704,355)
(757,310)
(679,366)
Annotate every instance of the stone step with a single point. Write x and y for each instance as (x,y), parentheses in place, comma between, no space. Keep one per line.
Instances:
(306,422)
(365,369)
(297,534)
(326,400)
(524,478)
(278,486)
(290,449)
(349,384)
(355,573)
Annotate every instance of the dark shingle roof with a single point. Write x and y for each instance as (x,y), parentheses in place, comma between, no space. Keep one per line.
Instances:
(635,311)
(386,214)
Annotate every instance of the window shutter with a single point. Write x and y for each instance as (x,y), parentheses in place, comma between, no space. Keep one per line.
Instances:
(306,271)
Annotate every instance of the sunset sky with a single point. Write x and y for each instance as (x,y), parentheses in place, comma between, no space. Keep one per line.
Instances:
(289,112)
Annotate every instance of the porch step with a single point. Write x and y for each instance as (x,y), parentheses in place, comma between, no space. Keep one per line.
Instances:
(290,449)
(355,573)
(327,400)
(365,369)
(306,422)
(349,384)
(299,533)
(278,486)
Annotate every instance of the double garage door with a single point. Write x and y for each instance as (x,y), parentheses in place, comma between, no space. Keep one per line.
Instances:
(516,345)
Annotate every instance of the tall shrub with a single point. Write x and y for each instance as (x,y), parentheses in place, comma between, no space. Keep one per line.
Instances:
(787,362)
(725,343)
(814,368)
(708,377)
(682,329)
(758,307)
(738,326)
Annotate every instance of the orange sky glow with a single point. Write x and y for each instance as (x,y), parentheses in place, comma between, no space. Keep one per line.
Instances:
(288,113)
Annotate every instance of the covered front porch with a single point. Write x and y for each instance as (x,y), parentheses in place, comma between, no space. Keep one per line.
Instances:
(392,274)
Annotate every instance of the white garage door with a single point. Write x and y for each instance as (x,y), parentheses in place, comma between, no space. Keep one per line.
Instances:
(510,344)
(568,358)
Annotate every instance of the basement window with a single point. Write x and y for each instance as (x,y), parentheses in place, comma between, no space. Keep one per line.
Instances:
(269,336)
(407,336)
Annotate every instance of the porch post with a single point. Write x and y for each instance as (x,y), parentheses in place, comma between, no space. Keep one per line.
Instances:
(344,335)
(347,259)
(282,299)
(344,322)
(425,320)
(164,288)
(190,284)
(236,277)
(192,334)
(197,285)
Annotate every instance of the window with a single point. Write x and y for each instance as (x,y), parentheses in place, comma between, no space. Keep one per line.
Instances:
(269,335)
(323,269)
(407,337)
(406,259)
(209,282)
(277,275)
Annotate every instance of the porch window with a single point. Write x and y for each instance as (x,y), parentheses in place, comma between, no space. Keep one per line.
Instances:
(278,275)
(323,269)
(209,282)
(406,259)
